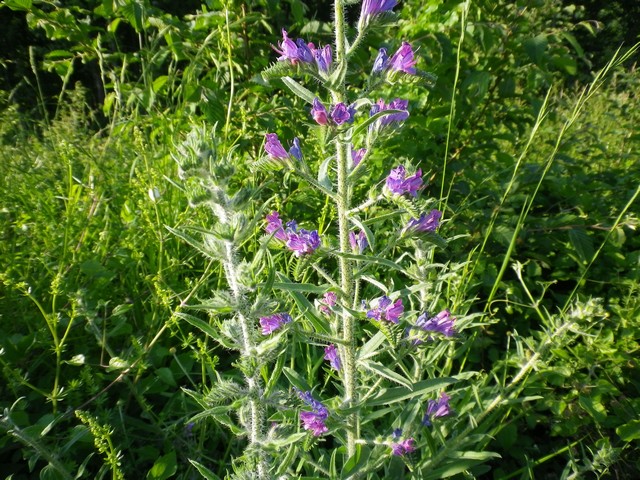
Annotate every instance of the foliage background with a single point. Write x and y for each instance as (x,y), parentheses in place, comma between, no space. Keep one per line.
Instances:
(94,97)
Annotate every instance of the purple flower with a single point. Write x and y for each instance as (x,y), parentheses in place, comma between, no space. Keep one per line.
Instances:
(357,155)
(323,58)
(442,323)
(295,150)
(358,242)
(386,310)
(274,226)
(340,113)
(302,242)
(375,7)
(319,112)
(331,354)
(304,52)
(274,148)
(426,223)
(273,322)
(397,104)
(380,64)
(288,49)
(402,60)
(404,447)
(329,300)
(314,420)
(437,408)
(398,184)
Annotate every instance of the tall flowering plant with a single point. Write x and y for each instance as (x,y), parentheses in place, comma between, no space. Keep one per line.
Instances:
(353,296)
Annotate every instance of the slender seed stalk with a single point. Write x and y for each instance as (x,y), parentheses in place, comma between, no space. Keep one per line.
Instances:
(343,205)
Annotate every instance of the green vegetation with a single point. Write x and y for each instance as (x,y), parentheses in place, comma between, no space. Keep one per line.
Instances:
(112,364)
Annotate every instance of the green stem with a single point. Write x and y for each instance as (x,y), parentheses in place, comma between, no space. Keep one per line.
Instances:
(346,266)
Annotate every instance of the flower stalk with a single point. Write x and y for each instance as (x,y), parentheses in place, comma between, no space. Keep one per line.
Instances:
(343,205)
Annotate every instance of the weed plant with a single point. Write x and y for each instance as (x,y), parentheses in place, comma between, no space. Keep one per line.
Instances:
(175,326)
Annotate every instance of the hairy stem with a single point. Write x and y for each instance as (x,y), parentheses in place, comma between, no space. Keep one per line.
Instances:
(343,205)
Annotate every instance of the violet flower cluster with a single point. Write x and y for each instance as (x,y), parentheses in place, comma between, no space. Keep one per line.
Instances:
(428,222)
(331,354)
(358,242)
(401,447)
(301,242)
(274,322)
(329,300)
(314,421)
(381,106)
(386,309)
(276,151)
(401,61)
(340,113)
(442,323)
(437,408)
(372,8)
(305,53)
(398,183)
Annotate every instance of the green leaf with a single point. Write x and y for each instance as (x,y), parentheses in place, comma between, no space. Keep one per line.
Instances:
(296,380)
(299,90)
(204,471)
(163,468)
(117,363)
(360,128)
(370,259)
(398,394)
(320,324)
(19,4)
(629,431)
(207,329)
(582,244)
(387,373)
(535,48)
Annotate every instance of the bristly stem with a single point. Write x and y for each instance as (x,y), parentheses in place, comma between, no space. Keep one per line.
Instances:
(343,205)
(253,384)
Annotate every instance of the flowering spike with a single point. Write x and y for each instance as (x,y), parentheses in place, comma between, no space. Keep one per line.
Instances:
(404,447)
(358,242)
(441,323)
(319,112)
(313,421)
(357,155)
(274,226)
(426,223)
(371,8)
(386,309)
(273,322)
(397,104)
(437,408)
(340,114)
(397,183)
(323,58)
(274,148)
(329,300)
(303,242)
(331,354)
(402,60)
(380,64)
(295,150)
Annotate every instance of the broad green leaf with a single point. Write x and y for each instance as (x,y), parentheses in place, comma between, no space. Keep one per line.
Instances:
(582,244)
(369,348)
(629,431)
(164,467)
(19,4)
